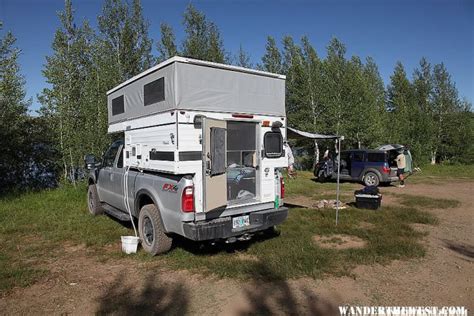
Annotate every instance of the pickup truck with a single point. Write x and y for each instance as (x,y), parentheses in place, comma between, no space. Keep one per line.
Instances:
(164,205)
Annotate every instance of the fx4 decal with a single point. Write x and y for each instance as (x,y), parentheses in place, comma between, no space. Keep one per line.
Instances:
(168,187)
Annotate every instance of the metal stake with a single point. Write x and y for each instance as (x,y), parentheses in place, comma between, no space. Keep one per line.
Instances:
(338,171)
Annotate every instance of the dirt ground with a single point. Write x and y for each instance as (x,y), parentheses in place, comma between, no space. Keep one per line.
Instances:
(81,284)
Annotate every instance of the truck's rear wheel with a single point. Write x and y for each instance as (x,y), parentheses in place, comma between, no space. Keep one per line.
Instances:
(151,230)
(371,179)
(93,202)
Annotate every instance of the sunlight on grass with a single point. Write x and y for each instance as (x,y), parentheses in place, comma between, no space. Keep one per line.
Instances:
(35,226)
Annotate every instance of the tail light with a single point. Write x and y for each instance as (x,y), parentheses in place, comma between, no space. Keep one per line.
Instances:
(386,169)
(187,200)
(282,188)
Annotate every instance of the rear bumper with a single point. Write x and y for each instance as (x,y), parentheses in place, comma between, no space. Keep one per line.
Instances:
(389,178)
(220,228)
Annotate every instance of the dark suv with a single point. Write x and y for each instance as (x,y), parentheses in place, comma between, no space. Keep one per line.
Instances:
(371,167)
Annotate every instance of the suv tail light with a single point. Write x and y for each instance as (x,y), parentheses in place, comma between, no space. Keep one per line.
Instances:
(282,188)
(386,169)
(187,200)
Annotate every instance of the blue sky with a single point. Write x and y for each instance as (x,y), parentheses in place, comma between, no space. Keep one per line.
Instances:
(441,30)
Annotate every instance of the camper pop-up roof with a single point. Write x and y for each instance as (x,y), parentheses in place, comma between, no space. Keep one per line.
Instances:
(188,84)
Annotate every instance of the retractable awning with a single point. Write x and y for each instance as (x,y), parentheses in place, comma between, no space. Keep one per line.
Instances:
(297,134)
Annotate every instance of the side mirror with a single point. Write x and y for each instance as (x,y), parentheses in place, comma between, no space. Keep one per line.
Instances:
(90,161)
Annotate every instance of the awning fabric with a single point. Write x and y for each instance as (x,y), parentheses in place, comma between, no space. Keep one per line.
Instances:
(294,133)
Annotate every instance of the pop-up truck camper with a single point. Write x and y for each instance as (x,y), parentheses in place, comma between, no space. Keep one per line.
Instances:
(199,154)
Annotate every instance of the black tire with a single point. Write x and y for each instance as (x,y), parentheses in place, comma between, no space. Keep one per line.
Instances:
(93,202)
(151,230)
(371,179)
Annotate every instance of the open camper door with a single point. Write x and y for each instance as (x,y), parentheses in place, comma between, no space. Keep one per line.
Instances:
(214,163)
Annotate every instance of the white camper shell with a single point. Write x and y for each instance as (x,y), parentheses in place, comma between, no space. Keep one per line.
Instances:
(208,120)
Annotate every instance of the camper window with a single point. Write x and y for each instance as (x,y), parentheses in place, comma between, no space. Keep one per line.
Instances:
(154,91)
(118,105)
(218,136)
(273,142)
(241,143)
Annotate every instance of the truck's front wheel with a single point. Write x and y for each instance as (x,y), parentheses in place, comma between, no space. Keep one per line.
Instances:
(93,202)
(151,230)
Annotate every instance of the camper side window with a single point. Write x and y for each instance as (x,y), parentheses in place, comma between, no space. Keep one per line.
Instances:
(118,105)
(273,142)
(154,91)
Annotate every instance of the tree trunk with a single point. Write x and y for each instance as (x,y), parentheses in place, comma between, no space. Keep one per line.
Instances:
(72,168)
(61,143)
(433,157)
(316,153)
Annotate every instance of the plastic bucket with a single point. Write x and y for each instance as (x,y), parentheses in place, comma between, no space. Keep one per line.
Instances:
(129,244)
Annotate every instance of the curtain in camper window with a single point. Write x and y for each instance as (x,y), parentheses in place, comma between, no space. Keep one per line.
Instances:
(217,151)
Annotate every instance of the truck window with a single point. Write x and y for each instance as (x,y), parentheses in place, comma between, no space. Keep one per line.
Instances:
(110,155)
(376,157)
(273,142)
(120,159)
(358,156)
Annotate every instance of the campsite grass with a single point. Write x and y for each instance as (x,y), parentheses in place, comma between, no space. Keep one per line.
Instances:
(436,173)
(35,228)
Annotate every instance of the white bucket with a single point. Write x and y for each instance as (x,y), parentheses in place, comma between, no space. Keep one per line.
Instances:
(129,244)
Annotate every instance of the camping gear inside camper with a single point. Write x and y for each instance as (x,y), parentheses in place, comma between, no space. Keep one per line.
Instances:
(202,144)
(241,161)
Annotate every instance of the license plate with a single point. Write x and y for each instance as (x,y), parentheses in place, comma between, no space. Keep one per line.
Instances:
(240,221)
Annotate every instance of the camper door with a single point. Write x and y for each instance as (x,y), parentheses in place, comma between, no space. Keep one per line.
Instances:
(214,163)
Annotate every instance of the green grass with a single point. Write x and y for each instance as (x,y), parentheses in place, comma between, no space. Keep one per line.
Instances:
(433,174)
(35,227)
(426,202)
(294,254)
(307,185)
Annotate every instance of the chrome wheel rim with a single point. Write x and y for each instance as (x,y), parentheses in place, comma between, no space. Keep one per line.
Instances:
(148,231)
(91,202)
(370,179)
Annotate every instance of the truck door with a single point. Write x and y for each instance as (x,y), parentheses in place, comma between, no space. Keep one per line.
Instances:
(357,164)
(214,163)
(109,181)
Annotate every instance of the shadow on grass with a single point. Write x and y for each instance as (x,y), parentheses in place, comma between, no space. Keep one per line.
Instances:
(269,294)
(154,298)
(126,224)
(213,248)
(292,205)
(463,249)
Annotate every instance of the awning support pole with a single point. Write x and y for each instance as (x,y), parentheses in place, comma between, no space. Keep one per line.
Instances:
(338,171)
